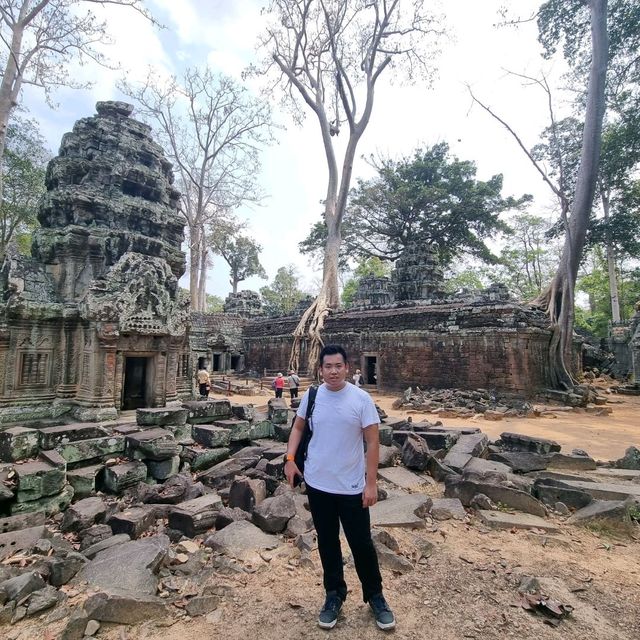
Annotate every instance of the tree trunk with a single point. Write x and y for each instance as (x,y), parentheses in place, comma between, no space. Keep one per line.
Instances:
(194,266)
(202,280)
(559,297)
(611,262)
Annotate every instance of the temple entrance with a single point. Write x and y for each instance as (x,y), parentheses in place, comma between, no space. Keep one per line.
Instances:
(136,392)
(370,370)
(217,362)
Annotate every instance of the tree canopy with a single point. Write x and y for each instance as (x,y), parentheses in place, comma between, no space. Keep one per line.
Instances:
(284,293)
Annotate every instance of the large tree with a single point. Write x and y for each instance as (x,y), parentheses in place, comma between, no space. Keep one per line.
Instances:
(212,129)
(23,167)
(283,294)
(331,54)
(429,198)
(40,39)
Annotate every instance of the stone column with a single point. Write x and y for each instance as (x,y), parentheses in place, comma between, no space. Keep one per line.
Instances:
(68,382)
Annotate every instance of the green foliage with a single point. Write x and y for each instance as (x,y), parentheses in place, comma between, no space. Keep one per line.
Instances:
(473,280)
(366,267)
(284,293)
(213,304)
(23,169)
(429,198)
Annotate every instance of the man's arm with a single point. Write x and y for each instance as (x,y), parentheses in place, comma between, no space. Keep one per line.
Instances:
(370,493)
(290,468)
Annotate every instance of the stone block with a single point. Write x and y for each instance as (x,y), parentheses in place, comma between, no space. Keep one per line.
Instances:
(93,449)
(122,476)
(630,460)
(456,461)
(260,430)
(385,435)
(241,538)
(83,480)
(113,541)
(246,493)
(438,470)
(275,467)
(83,514)
(415,453)
(473,444)
(133,521)
(163,469)
(18,443)
(482,466)
(203,412)
(501,520)
(605,490)
(16,523)
(54,437)
(519,442)
(571,462)
(21,586)
(402,478)
(37,480)
(227,515)
(201,605)
(238,429)
(52,457)
(447,508)
(243,411)
(181,433)
(281,432)
(388,456)
(406,511)
(438,439)
(50,505)
(200,459)
(94,534)
(124,607)
(195,516)
(62,569)
(222,474)
(521,461)
(42,600)
(616,511)
(151,444)
(12,541)
(278,412)
(551,491)
(210,436)
(272,514)
(161,416)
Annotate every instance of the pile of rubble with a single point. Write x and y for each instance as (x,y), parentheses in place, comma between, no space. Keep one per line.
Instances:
(494,405)
(147,520)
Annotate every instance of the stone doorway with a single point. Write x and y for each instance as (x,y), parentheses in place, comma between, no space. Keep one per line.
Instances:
(370,370)
(137,388)
(217,362)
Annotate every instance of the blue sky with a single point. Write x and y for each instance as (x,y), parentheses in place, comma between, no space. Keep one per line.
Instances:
(223,34)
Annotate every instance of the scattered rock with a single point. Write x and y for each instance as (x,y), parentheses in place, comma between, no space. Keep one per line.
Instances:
(273,514)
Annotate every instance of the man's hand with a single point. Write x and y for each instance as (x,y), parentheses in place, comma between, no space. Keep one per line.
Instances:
(291,471)
(370,495)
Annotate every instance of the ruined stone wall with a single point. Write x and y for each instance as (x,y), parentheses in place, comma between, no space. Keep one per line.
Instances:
(497,346)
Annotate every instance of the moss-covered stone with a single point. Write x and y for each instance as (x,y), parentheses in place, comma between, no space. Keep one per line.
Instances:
(49,505)
(239,429)
(37,480)
(212,436)
(18,443)
(200,459)
(92,449)
(262,429)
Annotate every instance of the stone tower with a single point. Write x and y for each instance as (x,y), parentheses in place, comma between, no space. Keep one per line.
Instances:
(417,275)
(106,327)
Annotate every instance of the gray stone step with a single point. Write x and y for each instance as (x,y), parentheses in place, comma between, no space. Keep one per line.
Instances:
(53,437)
(501,520)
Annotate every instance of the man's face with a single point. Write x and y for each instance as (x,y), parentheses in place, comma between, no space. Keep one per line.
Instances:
(334,371)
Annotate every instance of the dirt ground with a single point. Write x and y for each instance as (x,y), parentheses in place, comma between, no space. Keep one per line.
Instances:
(466,589)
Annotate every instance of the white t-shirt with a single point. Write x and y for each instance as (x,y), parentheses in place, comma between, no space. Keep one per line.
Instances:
(335,458)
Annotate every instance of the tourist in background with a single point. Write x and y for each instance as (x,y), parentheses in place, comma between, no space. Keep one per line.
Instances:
(278,384)
(341,483)
(294,383)
(204,382)
(357,378)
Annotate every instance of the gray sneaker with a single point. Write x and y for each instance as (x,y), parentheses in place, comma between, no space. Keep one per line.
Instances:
(329,612)
(383,614)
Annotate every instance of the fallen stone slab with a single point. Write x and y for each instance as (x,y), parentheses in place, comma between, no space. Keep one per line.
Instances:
(129,566)
(122,476)
(278,412)
(62,569)
(195,516)
(97,448)
(53,437)
(447,508)
(83,480)
(402,477)
(202,412)
(83,514)
(42,600)
(49,505)
(473,444)
(612,510)
(401,511)
(243,411)
(272,514)
(211,436)
(163,469)
(133,521)
(519,442)
(201,605)
(521,461)
(201,459)
(222,474)
(13,542)
(113,541)
(246,493)
(437,438)
(176,489)
(438,470)
(52,457)
(466,489)
(38,480)
(481,466)
(16,523)
(20,586)
(389,559)
(124,607)
(18,443)
(572,462)
(238,429)
(630,460)
(415,453)
(552,491)
(240,538)
(93,534)
(618,474)
(151,444)
(261,430)
(501,520)
(606,490)
(161,416)
(456,460)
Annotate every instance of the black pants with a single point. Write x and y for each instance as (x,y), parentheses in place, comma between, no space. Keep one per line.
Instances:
(328,511)
(293,391)
(203,389)
(278,392)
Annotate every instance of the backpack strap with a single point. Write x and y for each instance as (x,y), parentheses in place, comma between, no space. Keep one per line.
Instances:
(313,392)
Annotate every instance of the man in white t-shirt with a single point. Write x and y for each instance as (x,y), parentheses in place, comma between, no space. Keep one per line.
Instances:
(341,483)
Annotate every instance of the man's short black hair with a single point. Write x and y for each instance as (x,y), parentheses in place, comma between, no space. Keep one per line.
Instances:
(332,350)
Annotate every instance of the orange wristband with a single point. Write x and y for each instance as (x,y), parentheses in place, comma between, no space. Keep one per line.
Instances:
(289,457)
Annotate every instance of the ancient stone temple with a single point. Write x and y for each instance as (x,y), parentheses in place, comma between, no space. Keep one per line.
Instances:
(244,303)
(405,331)
(624,342)
(94,321)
